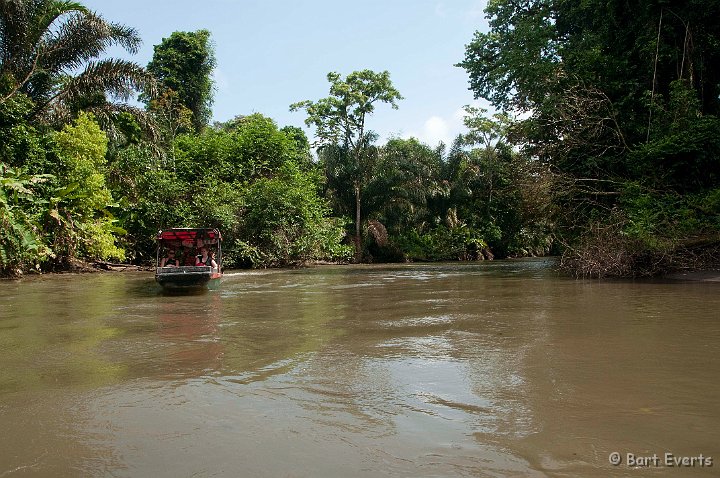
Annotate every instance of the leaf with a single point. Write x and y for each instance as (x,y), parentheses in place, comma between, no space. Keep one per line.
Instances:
(64,192)
(116,229)
(53,213)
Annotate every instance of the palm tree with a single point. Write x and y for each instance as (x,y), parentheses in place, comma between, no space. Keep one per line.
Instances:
(406,178)
(348,169)
(49,51)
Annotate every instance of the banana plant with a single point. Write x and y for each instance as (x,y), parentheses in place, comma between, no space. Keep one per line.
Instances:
(20,241)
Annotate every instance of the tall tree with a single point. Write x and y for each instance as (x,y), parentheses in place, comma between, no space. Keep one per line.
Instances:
(621,97)
(50,51)
(589,73)
(184,62)
(341,119)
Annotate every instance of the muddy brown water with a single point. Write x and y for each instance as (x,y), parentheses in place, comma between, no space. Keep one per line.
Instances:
(495,369)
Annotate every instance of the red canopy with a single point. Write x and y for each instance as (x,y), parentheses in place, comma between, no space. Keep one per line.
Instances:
(185,234)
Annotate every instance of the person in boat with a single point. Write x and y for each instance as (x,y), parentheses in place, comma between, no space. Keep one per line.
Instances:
(205,259)
(170,260)
(190,258)
(214,264)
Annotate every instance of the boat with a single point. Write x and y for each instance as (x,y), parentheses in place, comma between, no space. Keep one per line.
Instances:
(178,271)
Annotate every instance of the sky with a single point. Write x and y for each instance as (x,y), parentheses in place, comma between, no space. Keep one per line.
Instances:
(272,53)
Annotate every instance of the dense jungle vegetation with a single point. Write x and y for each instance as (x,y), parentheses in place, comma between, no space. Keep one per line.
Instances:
(607,149)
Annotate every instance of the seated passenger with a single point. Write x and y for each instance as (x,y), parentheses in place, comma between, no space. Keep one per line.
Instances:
(169,260)
(205,259)
(189,257)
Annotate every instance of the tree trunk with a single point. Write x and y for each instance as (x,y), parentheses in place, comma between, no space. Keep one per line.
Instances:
(358,247)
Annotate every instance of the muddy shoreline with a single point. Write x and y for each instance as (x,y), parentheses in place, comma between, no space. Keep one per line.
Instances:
(702,275)
(709,275)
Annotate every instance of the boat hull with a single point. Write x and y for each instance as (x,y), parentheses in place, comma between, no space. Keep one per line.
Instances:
(187,277)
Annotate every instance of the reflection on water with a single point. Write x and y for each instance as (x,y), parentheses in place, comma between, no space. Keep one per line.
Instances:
(496,369)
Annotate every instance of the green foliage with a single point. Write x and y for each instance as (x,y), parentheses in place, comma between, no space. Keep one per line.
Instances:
(498,191)
(128,127)
(707,206)
(172,117)
(21,243)
(340,118)
(285,222)
(20,142)
(648,233)
(404,180)
(245,177)
(662,220)
(535,50)
(81,224)
(590,73)
(510,65)
(183,63)
(418,194)
(216,204)
(687,160)
(301,151)
(441,244)
(149,197)
(683,151)
(82,147)
(252,147)
(342,171)
(181,178)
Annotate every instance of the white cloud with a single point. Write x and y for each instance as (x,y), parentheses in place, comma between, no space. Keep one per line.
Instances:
(436,129)
(439,128)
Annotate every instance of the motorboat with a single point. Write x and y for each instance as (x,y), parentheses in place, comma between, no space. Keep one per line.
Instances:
(189,258)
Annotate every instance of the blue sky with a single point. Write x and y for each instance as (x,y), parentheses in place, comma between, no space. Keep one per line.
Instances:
(271,53)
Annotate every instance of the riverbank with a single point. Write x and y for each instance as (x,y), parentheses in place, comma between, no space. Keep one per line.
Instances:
(79,267)
(712,275)
(610,253)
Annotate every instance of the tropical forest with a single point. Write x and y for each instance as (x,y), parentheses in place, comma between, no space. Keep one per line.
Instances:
(602,148)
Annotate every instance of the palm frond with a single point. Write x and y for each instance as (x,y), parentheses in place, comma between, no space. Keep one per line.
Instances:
(43,43)
(23,25)
(13,34)
(49,11)
(126,37)
(106,115)
(118,78)
(83,37)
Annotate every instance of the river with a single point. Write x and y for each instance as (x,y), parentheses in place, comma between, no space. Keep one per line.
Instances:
(490,369)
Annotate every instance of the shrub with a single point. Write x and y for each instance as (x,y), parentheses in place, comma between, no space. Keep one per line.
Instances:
(443,244)
(285,221)
(78,221)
